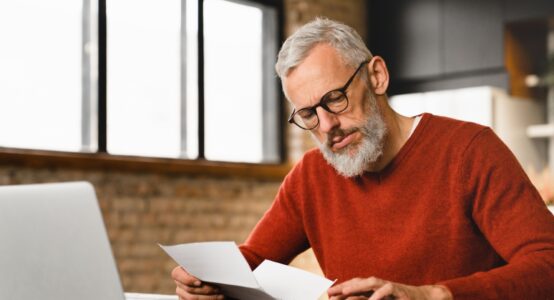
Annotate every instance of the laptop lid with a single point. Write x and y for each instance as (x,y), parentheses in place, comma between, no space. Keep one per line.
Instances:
(53,244)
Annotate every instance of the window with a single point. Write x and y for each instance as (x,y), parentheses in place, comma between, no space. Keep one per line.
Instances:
(174,78)
(235,82)
(144,77)
(41,86)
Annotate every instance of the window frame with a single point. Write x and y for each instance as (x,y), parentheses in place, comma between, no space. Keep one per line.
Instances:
(95,129)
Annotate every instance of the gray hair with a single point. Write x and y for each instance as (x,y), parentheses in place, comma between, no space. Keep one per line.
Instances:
(343,38)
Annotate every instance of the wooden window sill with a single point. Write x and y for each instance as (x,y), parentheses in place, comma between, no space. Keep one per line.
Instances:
(103,161)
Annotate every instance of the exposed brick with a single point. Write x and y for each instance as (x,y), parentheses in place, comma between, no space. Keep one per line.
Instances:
(151,219)
(141,283)
(147,235)
(126,234)
(160,204)
(126,204)
(128,219)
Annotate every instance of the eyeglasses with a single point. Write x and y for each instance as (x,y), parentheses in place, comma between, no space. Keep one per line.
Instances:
(334,101)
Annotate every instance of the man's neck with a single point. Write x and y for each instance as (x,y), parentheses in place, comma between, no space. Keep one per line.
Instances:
(398,132)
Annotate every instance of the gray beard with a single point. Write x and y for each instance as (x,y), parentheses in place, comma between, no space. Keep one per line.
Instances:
(350,162)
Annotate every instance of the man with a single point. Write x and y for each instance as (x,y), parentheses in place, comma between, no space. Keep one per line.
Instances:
(395,207)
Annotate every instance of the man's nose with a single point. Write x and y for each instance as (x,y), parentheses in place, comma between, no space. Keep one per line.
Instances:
(327,121)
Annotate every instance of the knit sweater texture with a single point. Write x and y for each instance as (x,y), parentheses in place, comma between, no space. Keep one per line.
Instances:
(453,207)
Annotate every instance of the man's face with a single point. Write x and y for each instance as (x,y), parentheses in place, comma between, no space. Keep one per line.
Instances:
(356,157)
(351,140)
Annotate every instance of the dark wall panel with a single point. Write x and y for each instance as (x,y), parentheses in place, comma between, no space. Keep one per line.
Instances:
(517,10)
(420,51)
(473,35)
(407,34)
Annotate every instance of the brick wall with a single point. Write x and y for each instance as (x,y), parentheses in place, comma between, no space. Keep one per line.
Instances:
(143,209)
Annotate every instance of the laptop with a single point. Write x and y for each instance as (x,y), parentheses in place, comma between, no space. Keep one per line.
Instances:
(53,244)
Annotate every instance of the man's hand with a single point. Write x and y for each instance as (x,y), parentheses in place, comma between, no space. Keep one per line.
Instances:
(190,288)
(377,289)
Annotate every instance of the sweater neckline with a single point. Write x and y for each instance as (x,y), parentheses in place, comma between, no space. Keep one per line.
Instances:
(404,150)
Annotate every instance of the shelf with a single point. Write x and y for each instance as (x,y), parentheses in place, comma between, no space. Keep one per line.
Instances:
(540,131)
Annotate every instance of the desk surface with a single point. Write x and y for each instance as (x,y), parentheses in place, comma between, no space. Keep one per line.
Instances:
(141,296)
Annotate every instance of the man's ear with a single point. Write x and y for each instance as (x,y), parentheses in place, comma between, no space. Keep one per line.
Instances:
(378,75)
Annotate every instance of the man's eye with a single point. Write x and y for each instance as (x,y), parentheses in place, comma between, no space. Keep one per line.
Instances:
(305,114)
(334,97)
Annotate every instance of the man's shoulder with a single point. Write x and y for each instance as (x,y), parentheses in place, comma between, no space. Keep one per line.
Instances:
(452,129)
(451,123)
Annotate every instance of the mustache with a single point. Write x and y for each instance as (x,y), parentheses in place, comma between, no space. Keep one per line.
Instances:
(338,132)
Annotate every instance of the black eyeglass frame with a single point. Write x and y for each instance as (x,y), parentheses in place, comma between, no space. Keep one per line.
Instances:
(326,98)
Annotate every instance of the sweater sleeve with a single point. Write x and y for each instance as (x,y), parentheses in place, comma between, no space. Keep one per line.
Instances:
(279,236)
(509,212)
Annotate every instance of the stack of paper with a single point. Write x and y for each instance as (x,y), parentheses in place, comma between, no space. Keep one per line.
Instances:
(222,264)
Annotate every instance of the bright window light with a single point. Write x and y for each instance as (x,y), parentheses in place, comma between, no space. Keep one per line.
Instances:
(40,74)
(144,77)
(233,81)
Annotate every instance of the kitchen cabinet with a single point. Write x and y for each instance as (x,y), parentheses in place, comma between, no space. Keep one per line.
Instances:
(517,10)
(472,35)
(407,34)
(440,44)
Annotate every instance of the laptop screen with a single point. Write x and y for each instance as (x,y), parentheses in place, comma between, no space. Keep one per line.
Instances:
(53,244)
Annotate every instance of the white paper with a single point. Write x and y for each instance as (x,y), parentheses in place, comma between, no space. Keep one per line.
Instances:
(285,282)
(222,264)
(219,262)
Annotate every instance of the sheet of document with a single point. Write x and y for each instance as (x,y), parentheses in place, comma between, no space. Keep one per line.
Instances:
(285,282)
(222,264)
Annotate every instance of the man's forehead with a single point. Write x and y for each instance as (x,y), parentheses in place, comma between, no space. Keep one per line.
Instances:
(321,56)
(322,70)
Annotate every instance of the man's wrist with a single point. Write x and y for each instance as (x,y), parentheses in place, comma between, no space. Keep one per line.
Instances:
(438,292)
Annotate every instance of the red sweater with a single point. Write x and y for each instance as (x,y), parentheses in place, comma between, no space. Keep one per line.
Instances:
(453,207)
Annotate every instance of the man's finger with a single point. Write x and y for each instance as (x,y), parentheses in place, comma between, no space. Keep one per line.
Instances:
(179,274)
(337,289)
(358,286)
(204,289)
(383,292)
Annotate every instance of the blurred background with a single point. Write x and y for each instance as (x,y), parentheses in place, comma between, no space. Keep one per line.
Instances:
(172,110)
